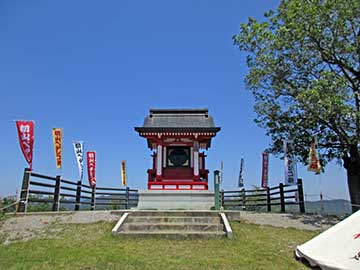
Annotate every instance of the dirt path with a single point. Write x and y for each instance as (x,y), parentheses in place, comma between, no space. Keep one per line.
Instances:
(30,226)
(27,227)
(298,221)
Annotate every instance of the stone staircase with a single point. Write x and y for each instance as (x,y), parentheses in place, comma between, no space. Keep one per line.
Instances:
(173,224)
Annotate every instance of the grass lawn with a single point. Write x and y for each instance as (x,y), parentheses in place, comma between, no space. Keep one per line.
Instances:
(93,247)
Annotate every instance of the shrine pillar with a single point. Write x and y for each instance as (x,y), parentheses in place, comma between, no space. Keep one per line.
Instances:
(196,160)
(164,157)
(192,157)
(159,162)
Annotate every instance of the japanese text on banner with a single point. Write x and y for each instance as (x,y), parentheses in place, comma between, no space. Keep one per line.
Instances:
(91,164)
(78,148)
(265,170)
(123,172)
(26,139)
(290,164)
(57,140)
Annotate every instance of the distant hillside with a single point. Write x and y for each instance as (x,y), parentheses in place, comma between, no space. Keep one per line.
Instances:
(331,207)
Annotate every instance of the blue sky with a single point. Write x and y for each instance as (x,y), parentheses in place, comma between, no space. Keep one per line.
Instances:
(94,68)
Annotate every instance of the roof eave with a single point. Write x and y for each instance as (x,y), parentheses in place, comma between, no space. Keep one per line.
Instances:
(177,129)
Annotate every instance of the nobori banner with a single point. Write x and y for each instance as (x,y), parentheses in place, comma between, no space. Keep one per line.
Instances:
(78,148)
(241,174)
(25,131)
(314,161)
(91,166)
(290,164)
(123,172)
(57,140)
(265,170)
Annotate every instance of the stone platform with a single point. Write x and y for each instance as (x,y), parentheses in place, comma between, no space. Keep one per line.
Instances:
(176,200)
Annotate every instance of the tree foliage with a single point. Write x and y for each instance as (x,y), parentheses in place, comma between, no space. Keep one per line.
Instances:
(304,72)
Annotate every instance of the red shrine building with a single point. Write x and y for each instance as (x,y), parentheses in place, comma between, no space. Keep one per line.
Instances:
(178,139)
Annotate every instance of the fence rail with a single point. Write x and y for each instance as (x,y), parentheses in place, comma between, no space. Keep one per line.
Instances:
(57,191)
(281,195)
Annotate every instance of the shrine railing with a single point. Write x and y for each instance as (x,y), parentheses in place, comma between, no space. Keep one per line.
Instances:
(56,193)
(178,185)
(265,199)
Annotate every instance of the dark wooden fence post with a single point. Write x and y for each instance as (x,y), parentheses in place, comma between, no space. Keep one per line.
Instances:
(301,195)
(282,199)
(243,199)
(93,197)
(56,203)
(127,194)
(222,198)
(24,191)
(268,199)
(78,196)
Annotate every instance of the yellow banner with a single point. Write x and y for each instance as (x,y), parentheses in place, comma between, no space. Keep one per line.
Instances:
(123,172)
(57,140)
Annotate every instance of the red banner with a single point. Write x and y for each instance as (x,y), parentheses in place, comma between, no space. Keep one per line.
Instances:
(91,165)
(26,139)
(314,162)
(265,170)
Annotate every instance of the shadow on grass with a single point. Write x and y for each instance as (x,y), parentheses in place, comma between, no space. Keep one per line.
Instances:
(306,263)
(317,221)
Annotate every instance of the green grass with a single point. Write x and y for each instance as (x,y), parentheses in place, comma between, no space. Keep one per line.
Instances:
(92,246)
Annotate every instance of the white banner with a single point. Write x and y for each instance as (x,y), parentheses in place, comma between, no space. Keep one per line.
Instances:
(78,148)
(241,174)
(290,164)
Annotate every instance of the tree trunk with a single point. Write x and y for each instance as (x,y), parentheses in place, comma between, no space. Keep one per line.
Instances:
(352,166)
(354,190)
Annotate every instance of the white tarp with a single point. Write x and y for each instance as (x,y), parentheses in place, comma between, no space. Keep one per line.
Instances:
(338,248)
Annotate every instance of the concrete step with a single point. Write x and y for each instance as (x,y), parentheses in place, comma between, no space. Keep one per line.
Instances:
(129,227)
(172,224)
(173,219)
(176,213)
(174,234)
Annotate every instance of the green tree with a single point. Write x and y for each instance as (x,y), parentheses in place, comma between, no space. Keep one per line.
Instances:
(7,205)
(304,72)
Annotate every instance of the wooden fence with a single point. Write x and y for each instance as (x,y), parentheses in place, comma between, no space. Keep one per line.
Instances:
(265,198)
(38,188)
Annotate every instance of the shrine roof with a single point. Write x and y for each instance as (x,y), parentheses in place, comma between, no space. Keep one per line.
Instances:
(167,119)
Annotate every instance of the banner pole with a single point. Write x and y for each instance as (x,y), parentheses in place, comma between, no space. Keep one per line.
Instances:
(321,196)
(17,201)
(221,172)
